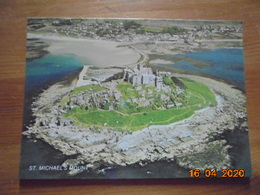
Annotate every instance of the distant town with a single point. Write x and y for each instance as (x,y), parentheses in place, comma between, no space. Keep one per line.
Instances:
(128,105)
(136,30)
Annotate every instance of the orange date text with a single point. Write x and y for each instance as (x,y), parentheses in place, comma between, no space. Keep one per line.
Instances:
(214,173)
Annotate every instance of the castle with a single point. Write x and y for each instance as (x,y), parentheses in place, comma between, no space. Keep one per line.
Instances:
(140,75)
(143,76)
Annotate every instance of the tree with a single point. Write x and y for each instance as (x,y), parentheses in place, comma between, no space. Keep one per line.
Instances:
(128,24)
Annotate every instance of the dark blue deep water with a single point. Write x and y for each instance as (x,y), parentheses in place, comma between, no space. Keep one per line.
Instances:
(226,64)
(50,68)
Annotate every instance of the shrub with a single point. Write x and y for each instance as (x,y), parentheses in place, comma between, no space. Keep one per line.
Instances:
(174,30)
(167,80)
(128,24)
(107,105)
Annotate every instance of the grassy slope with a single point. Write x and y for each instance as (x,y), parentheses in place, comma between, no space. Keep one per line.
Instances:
(127,90)
(199,96)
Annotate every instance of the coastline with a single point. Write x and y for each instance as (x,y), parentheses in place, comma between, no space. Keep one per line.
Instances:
(124,149)
(177,141)
(127,53)
(200,74)
(89,50)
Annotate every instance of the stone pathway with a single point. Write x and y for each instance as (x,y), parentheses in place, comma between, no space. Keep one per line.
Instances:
(80,81)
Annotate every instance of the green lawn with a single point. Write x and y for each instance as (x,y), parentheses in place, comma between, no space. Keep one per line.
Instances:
(127,91)
(198,97)
(200,91)
(132,122)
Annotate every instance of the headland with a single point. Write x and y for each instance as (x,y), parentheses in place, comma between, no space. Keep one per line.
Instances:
(123,85)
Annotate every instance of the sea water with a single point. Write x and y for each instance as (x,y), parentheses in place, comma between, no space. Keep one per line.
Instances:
(40,73)
(227,65)
(50,68)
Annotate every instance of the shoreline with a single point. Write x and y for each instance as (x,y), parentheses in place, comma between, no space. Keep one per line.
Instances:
(89,50)
(200,74)
(127,149)
(104,63)
(176,141)
(35,93)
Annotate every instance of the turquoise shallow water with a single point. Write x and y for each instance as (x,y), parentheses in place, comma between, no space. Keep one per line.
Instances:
(226,64)
(50,68)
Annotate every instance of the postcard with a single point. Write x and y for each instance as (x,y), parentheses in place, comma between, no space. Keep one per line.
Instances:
(115,98)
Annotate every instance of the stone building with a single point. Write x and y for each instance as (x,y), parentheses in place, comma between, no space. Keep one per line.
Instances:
(142,76)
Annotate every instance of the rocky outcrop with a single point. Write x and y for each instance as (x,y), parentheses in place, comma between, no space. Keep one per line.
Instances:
(190,142)
(36,48)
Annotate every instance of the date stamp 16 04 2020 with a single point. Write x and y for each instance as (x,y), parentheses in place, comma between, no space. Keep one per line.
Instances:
(229,173)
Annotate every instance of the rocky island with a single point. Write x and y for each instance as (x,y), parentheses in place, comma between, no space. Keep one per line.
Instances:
(123,114)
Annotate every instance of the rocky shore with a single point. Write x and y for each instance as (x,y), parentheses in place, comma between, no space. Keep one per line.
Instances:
(191,142)
(36,48)
(194,143)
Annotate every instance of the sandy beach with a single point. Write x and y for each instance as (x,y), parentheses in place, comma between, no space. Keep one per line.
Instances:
(180,140)
(100,53)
